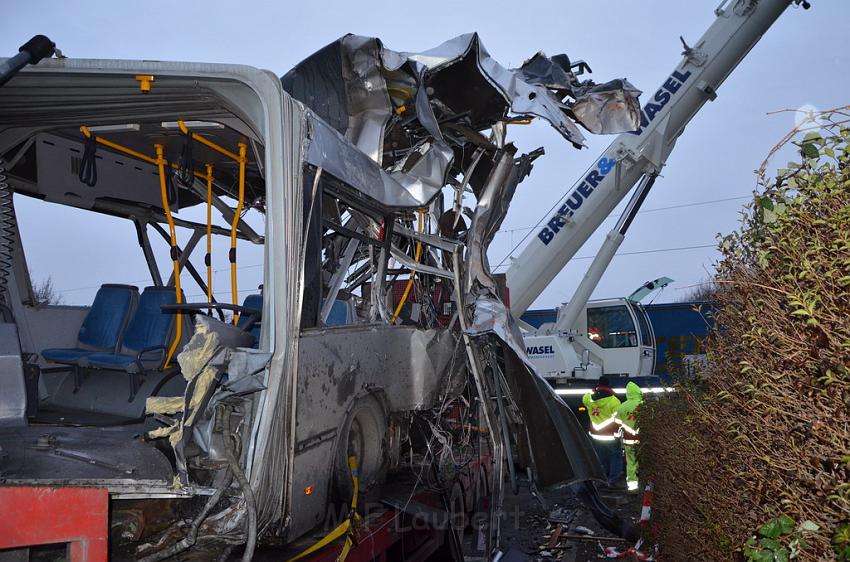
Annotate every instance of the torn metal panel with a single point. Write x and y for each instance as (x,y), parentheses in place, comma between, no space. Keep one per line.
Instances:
(526,90)
(522,97)
(243,374)
(489,213)
(554,72)
(609,108)
(368,99)
(394,107)
(490,316)
(329,150)
(423,171)
(559,448)
(213,373)
(344,86)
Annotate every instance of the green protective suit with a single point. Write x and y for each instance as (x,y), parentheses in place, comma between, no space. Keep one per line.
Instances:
(602,413)
(627,418)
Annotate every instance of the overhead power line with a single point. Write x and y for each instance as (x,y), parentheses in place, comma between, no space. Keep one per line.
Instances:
(683,205)
(253,265)
(649,251)
(98,286)
(552,208)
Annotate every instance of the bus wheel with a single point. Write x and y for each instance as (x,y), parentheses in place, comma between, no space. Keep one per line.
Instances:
(363,435)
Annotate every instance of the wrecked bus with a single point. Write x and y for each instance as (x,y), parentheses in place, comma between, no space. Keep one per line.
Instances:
(379,343)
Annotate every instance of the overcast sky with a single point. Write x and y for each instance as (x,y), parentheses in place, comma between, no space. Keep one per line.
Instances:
(801,61)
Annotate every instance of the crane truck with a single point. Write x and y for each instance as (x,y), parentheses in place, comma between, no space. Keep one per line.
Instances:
(614,337)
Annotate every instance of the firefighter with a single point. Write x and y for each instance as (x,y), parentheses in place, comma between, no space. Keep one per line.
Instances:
(602,406)
(627,420)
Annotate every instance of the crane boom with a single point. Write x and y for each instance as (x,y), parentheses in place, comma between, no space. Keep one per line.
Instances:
(738,27)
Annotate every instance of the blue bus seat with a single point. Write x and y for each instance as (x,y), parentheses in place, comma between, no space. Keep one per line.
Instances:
(254,302)
(102,327)
(146,340)
(339,314)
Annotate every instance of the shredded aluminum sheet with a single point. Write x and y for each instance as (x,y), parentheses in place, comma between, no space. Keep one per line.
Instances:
(358,89)
(329,150)
(213,373)
(565,438)
(523,98)
(609,108)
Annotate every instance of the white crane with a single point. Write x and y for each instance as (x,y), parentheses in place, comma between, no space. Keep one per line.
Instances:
(569,348)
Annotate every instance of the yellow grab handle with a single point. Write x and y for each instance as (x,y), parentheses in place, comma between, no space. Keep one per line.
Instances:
(208,257)
(243,151)
(412,273)
(175,258)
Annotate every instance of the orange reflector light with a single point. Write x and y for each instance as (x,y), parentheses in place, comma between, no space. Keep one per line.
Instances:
(309,489)
(582,409)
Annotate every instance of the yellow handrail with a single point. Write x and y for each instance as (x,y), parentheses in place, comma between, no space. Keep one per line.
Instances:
(220,149)
(208,257)
(242,159)
(160,163)
(130,151)
(243,151)
(401,302)
(175,257)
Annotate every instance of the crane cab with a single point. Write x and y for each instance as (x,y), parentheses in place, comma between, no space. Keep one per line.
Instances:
(612,337)
(618,334)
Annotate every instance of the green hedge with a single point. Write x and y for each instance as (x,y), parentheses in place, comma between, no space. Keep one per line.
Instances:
(752,460)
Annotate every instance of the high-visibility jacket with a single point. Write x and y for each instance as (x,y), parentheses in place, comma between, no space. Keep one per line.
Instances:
(603,414)
(627,414)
